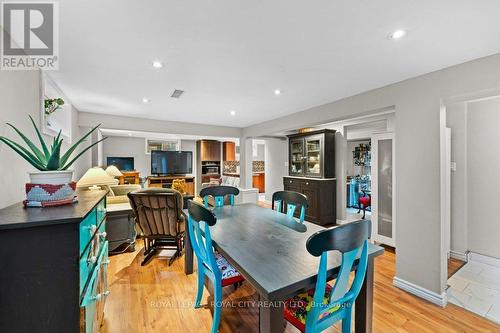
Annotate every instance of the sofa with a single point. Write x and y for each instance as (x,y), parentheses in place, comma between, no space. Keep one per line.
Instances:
(118,193)
(245,196)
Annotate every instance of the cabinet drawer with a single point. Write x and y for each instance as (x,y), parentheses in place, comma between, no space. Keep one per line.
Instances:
(101,210)
(89,259)
(309,184)
(87,229)
(92,304)
(292,182)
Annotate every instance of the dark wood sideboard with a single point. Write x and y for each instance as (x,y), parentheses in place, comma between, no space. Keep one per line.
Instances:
(53,265)
(312,173)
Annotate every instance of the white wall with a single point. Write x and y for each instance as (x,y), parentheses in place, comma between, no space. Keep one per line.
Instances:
(417,104)
(119,146)
(276,156)
(20,97)
(483,163)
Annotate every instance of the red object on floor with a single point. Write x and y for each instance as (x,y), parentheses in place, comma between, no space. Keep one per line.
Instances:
(365,201)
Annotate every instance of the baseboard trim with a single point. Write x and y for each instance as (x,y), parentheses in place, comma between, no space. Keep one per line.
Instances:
(340,222)
(458,255)
(439,300)
(484,259)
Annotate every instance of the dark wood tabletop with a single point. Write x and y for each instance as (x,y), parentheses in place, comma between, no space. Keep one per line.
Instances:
(269,250)
(17,216)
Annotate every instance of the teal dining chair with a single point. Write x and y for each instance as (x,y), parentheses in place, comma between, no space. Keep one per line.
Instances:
(286,202)
(219,193)
(319,308)
(210,264)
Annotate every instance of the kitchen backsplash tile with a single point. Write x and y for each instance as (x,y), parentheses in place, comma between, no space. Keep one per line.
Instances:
(232,166)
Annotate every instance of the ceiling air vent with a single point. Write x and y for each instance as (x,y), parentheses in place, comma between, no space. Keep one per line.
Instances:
(177,93)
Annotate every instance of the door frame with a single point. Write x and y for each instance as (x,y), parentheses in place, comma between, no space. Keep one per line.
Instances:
(375,236)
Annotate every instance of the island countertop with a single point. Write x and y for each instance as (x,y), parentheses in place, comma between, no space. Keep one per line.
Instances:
(17,216)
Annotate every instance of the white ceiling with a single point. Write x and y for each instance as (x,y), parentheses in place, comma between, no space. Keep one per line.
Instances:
(232,54)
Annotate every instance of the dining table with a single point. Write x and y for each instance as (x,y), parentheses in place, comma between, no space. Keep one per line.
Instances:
(269,249)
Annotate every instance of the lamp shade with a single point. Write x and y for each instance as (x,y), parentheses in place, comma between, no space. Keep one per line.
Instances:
(96,176)
(113,171)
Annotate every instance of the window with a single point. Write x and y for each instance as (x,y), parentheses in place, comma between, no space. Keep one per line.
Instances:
(167,145)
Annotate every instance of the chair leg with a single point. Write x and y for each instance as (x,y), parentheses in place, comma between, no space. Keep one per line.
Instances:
(173,257)
(347,320)
(364,212)
(148,256)
(217,306)
(201,284)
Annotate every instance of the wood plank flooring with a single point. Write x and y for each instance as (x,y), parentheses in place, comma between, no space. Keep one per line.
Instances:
(158,298)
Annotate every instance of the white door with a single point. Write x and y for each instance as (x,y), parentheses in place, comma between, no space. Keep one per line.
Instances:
(383,187)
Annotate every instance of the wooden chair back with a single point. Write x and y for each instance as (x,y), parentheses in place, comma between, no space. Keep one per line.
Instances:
(287,202)
(219,193)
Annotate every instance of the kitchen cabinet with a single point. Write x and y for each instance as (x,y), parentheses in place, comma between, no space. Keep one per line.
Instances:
(258,180)
(228,151)
(209,150)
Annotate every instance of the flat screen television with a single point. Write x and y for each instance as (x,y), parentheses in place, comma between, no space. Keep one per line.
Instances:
(122,163)
(171,162)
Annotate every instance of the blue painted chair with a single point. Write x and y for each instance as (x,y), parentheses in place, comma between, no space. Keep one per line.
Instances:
(320,308)
(219,193)
(213,266)
(286,202)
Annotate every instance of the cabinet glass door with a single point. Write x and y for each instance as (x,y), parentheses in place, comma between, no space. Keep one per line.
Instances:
(313,155)
(297,157)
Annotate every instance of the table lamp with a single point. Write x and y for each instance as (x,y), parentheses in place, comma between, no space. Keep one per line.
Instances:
(113,171)
(94,177)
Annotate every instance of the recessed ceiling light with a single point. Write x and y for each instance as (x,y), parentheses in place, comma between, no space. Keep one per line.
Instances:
(146,100)
(157,64)
(277,92)
(397,34)
(232,113)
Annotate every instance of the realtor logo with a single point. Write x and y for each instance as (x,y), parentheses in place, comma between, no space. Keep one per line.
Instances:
(29,36)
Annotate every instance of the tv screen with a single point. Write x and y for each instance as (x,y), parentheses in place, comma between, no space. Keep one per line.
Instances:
(122,163)
(171,162)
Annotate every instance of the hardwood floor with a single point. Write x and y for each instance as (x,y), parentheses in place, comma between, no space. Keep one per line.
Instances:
(158,298)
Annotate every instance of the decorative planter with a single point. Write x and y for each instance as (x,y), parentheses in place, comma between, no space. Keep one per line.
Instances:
(50,188)
(51,177)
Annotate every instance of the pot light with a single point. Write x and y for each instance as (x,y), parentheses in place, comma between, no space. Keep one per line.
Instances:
(397,34)
(232,113)
(157,64)
(146,100)
(277,92)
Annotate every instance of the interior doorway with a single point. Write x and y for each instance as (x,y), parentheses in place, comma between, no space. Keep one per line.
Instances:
(469,240)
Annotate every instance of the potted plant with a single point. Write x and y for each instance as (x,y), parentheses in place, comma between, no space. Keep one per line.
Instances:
(53,167)
(52,105)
